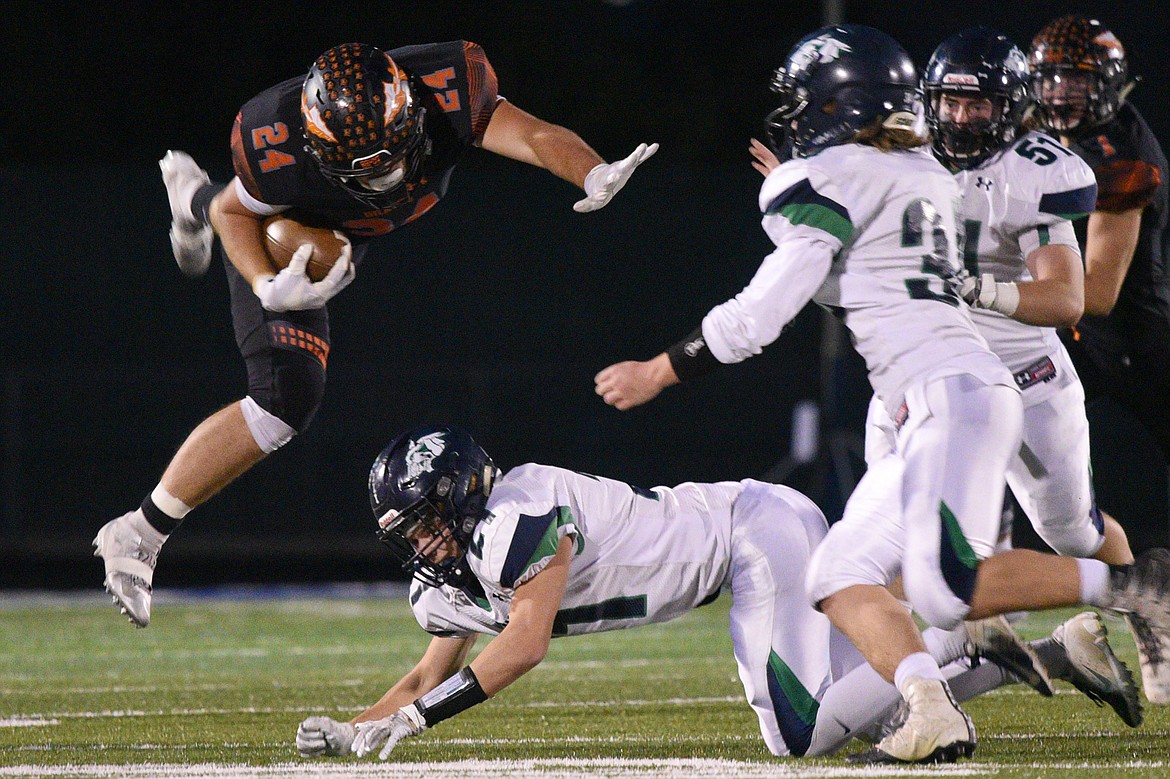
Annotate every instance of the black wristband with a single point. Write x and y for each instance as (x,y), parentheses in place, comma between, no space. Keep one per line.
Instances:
(690,357)
(461,691)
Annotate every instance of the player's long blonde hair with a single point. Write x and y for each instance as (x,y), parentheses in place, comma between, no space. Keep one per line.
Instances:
(883,137)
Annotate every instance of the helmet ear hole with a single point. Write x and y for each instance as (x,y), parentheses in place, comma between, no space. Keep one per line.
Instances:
(829,108)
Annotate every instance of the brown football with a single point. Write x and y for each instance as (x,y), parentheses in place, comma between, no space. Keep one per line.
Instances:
(284,235)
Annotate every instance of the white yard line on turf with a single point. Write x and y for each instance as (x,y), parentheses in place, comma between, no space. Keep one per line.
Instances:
(495,769)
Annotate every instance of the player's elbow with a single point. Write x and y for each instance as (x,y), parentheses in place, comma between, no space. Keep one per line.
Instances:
(1069,311)
(1100,305)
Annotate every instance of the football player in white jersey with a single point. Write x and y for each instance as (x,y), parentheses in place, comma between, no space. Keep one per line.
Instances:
(1021,190)
(863,222)
(543,552)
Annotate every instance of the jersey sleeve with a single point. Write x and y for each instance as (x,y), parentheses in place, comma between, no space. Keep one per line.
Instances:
(517,545)
(435,613)
(808,228)
(240,163)
(1068,191)
(1125,184)
(482,87)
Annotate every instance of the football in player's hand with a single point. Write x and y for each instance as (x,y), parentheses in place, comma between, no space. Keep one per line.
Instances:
(283,235)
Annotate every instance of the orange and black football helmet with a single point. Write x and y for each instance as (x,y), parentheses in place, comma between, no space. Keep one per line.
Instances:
(1078,74)
(363,122)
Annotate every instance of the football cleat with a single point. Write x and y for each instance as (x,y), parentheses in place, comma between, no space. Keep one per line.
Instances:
(129,562)
(1142,592)
(994,640)
(1152,659)
(1094,669)
(191,239)
(936,730)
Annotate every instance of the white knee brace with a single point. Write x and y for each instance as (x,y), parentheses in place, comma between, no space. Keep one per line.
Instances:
(270,431)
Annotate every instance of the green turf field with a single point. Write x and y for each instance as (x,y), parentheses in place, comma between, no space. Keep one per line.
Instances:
(216,688)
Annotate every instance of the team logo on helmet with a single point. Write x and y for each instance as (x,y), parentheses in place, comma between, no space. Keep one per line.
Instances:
(824,48)
(421,452)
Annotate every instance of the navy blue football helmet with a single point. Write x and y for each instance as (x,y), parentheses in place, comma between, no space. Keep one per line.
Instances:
(837,81)
(432,482)
(977,62)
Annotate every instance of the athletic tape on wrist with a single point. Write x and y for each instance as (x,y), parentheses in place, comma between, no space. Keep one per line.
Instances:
(460,692)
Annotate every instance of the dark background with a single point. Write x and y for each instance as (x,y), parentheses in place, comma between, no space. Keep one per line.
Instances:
(494,312)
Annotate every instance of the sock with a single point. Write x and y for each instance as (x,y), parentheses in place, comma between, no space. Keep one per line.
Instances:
(946,646)
(163,511)
(201,201)
(918,664)
(857,704)
(1094,581)
(966,683)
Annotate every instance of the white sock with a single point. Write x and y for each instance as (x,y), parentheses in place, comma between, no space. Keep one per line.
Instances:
(1094,581)
(946,646)
(919,664)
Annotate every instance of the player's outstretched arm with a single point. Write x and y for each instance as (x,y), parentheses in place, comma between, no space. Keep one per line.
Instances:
(323,736)
(519,648)
(521,136)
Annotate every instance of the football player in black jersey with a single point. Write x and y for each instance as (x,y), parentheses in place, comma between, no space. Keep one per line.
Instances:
(1122,345)
(364,143)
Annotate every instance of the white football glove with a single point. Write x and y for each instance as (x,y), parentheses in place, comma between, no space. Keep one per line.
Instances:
(318,736)
(604,181)
(291,289)
(407,721)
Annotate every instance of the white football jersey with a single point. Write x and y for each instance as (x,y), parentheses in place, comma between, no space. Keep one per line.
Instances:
(1016,202)
(877,231)
(640,556)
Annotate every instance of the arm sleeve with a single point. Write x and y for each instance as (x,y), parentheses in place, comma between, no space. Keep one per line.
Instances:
(785,282)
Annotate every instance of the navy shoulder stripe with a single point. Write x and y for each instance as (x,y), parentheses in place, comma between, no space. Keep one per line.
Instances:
(801,204)
(530,532)
(1072,204)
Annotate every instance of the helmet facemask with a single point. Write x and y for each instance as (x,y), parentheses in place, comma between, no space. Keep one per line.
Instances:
(966,144)
(1068,98)
(429,536)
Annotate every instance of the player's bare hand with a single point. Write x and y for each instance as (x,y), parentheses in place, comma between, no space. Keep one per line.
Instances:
(765,161)
(632,383)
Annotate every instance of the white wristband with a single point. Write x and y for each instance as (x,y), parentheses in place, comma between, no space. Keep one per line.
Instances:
(1007,298)
(260,279)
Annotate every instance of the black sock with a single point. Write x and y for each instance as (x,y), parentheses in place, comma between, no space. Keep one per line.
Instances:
(159,519)
(201,202)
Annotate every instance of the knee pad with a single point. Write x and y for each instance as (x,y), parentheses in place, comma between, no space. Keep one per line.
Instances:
(292,387)
(269,431)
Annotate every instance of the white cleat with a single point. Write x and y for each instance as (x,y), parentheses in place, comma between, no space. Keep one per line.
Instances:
(1095,670)
(1142,592)
(936,730)
(191,239)
(130,562)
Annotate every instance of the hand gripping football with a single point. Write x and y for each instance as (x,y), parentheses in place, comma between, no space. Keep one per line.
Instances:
(283,235)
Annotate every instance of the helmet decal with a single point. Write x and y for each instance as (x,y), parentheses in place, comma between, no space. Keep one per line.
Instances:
(421,452)
(824,48)
(314,124)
